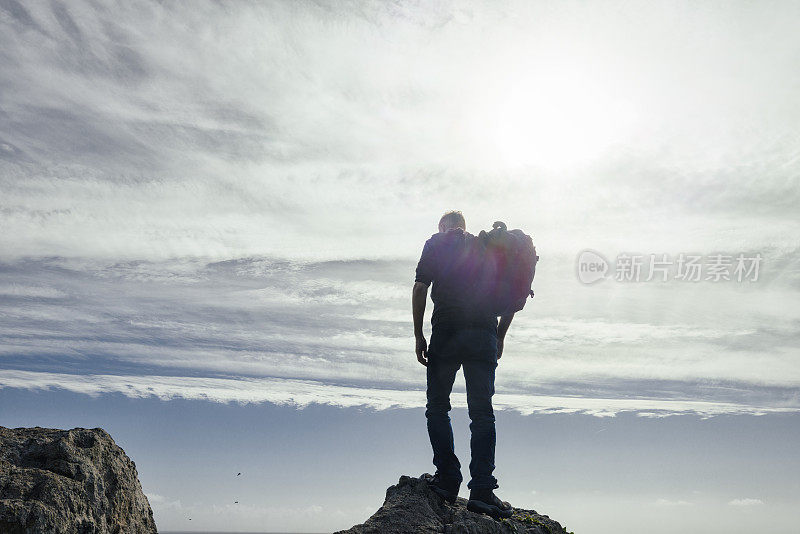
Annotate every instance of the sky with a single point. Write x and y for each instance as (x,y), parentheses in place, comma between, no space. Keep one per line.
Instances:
(211,213)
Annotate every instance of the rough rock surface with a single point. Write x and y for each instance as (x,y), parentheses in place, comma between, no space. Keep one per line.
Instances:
(411,506)
(69,482)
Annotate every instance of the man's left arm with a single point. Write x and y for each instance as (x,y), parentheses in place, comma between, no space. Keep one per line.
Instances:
(502,328)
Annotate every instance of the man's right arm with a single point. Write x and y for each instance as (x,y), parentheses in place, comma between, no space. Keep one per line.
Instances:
(419,297)
(425,274)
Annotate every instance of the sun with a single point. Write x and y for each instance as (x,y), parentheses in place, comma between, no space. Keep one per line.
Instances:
(556,119)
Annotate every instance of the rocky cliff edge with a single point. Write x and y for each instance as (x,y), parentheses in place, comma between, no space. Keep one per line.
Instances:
(411,507)
(69,482)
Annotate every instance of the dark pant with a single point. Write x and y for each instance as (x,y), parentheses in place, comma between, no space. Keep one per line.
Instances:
(474,349)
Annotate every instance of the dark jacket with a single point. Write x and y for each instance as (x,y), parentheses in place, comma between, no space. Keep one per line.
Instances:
(445,263)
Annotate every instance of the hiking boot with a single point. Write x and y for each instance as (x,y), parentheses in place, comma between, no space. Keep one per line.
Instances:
(484,501)
(447,489)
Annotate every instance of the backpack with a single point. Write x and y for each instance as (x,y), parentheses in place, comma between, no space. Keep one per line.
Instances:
(503,264)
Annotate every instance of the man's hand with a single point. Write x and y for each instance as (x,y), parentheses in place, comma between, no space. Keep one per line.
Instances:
(422,350)
(502,328)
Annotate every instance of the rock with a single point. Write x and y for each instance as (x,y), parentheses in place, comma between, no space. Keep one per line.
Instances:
(411,507)
(69,482)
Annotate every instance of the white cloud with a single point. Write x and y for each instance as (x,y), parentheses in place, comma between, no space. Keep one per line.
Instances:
(17,290)
(745,502)
(302,393)
(166,198)
(669,502)
(348,324)
(307,132)
(159,503)
(174,511)
(243,512)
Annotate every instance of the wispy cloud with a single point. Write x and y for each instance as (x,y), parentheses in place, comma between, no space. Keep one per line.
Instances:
(237,192)
(746,502)
(146,130)
(346,325)
(669,502)
(302,393)
(233,513)
(159,503)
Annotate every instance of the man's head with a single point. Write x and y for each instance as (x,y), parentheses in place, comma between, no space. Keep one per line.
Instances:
(452,219)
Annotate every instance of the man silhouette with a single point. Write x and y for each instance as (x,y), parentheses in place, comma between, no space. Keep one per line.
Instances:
(461,337)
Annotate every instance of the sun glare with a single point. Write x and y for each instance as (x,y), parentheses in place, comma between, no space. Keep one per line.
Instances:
(556,120)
